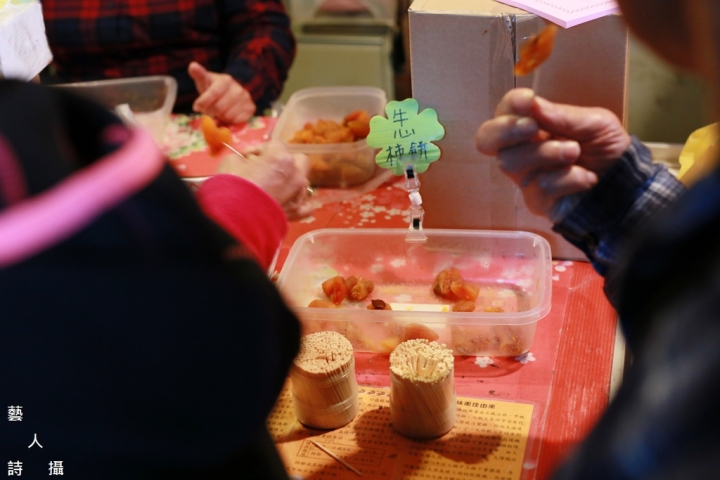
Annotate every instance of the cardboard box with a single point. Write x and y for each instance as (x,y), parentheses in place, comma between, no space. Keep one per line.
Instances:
(462,57)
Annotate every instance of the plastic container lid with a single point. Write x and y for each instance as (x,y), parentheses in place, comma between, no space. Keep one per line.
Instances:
(150,99)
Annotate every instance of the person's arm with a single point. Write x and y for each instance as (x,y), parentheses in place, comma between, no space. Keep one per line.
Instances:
(253,199)
(625,197)
(666,289)
(578,167)
(262,46)
(245,211)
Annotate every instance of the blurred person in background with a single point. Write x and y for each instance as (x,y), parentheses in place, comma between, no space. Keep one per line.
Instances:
(229,57)
(656,242)
(142,336)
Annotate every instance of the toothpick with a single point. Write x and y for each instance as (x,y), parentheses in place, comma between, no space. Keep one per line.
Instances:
(336,457)
(235,151)
(536,80)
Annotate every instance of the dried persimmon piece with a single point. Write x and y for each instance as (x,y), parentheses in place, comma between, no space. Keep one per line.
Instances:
(464,306)
(465,291)
(355,126)
(416,331)
(442,287)
(351,281)
(359,115)
(494,310)
(336,289)
(359,129)
(322,304)
(361,289)
(215,137)
(359,123)
(536,50)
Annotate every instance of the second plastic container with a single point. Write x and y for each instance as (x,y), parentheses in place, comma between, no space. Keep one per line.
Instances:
(331,164)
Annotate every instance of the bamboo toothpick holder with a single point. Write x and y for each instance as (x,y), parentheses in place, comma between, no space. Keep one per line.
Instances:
(422,390)
(324,388)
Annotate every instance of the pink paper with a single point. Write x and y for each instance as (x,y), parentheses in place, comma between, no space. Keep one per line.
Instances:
(566,13)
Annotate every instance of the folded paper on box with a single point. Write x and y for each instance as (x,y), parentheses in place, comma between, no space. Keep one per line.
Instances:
(462,57)
(24,50)
(567,13)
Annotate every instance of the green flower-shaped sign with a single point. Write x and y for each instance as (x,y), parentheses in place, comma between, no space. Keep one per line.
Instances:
(405,136)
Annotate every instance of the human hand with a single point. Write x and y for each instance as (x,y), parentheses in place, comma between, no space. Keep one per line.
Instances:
(281,174)
(220,96)
(551,150)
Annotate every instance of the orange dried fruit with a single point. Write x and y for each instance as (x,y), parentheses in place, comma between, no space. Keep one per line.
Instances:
(465,291)
(359,124)
(215,136)
(464,306)
(336,289)
(321,304)
(359,129)
(359,115)
(361,289)
(355,126)
(536,50)
(415,331)
(389,344)
(494,310)
(442,287)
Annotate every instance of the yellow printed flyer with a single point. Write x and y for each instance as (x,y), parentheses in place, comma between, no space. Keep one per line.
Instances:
(487,442)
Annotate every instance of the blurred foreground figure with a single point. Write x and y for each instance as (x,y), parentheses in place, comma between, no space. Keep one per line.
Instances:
(656,242)
(142,340)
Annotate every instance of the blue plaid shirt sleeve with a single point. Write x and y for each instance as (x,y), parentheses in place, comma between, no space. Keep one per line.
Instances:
(628,195)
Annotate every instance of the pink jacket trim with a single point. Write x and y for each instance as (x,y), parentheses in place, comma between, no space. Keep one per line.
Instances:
(35,224)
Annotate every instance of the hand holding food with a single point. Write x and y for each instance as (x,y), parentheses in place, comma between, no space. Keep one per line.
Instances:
(221,96)
(281,174)
(551,150)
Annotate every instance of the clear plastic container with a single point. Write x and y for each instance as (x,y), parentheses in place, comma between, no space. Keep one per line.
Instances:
(150,99)
(332,164)
(513,270)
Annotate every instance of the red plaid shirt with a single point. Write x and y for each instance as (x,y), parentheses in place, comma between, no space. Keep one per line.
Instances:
(96,39)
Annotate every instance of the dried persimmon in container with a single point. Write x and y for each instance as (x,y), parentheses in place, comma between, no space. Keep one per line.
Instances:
(330,126)
(479,292)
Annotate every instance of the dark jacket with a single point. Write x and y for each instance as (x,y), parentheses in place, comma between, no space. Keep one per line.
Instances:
(665,283)
(144,344)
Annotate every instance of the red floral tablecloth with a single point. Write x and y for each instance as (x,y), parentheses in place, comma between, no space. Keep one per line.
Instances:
(188,153)
(566,374)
